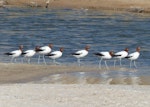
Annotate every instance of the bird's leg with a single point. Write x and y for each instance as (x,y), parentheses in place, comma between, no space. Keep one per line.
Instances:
(44,59)
(25,59)
(39,59)
(11,61)
(100,63)
(130,63)
(28,60)
(106,65)
(15,60)
(135,64)
(22,59)
(56,62)
(79,63)
(120,62)
(114,63)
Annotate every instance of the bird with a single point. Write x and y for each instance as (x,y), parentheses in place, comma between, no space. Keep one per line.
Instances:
(29,53)
(47,3)
(120,55)
(80,54)
(134,56)
(44,50)
(105,55)
(33,4)
(14,54)
(55,55)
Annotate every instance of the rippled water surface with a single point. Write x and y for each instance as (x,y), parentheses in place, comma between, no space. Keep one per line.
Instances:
(73,30)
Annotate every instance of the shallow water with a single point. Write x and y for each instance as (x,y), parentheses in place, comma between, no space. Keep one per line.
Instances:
(94,78)
(73,29)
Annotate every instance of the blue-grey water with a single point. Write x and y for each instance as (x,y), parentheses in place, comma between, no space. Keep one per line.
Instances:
(73,29)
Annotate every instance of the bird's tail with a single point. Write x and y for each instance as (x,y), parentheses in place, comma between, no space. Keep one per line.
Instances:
(8,53)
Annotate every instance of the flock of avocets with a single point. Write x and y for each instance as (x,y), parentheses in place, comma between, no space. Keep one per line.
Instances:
(47,51)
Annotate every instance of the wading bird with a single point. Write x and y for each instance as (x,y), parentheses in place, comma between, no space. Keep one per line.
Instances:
(47,3)
(28,54)
(120,55)
(55,55)
(134,56)
(80,54)
(44,50)
(14,54)
(104,56)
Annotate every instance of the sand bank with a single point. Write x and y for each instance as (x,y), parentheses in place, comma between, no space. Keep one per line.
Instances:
(18,73)
(67,74)
(47,95)
(64,95)
(140,6)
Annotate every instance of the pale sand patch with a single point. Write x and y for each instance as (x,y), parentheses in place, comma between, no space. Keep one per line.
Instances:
(48,95)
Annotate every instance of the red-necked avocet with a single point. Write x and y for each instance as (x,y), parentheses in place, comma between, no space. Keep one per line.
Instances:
(44,50)
(28,54)
(120,55)
(134,56)
(55,55)
(104,56)
(81,53)
(14,54)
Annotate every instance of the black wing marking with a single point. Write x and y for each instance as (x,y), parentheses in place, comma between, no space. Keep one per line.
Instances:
(128,56)
(8,53)
(50,54)
(38,50)
(116,55)
(23,53)
(76,53)
(98,54)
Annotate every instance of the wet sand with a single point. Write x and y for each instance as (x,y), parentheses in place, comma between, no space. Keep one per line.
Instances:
(18,89)
(140,6)
(11,73)
(18,73)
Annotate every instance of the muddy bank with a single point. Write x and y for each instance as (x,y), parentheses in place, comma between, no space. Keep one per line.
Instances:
(140,6)
(67,74)
(18,73)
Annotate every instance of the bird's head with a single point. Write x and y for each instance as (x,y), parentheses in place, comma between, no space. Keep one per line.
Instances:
(87,48)
(21,47)
(126,49)
(111,53)
(50,45)
(138,49)
(61,49)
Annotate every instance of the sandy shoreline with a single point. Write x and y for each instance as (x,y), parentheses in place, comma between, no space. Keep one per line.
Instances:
(29,94)
(47,95)
(17,73)
(140,6)
(12,73)
(17,88)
